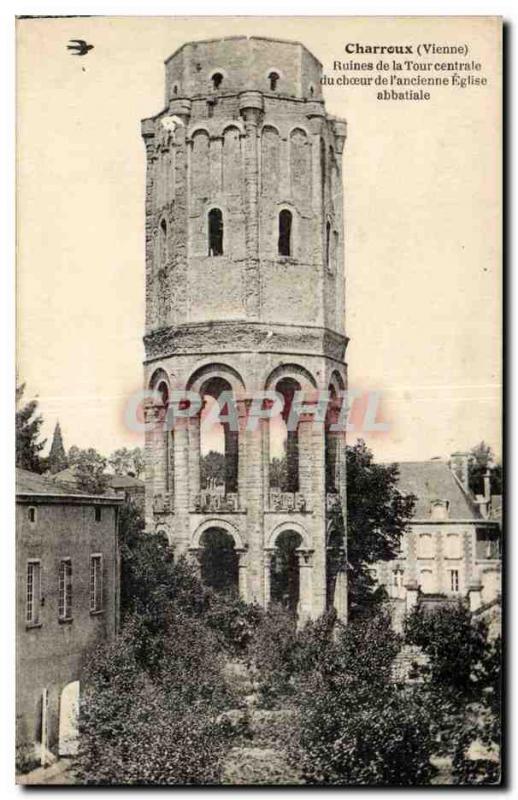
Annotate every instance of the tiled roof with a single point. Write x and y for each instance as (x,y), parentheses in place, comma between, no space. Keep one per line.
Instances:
(31,483)
(434,480)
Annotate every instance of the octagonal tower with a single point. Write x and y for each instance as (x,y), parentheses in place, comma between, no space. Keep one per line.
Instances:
(245,292)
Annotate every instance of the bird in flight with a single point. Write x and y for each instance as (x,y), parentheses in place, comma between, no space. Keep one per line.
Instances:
(80,46)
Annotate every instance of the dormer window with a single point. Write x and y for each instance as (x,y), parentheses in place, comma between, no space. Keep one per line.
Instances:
(273,77)
(217,80)
(439,509)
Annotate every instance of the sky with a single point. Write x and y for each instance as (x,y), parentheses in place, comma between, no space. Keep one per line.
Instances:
(422,190)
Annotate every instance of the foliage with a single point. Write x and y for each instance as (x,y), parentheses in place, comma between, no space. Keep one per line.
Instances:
(463,677)
(355,725)
(455,645)
(481,458)
(282,654)
(89,467)
(149,714)
(278,473)
(57,459)
(127,462)
(212,469)
(377,516)
(28,424)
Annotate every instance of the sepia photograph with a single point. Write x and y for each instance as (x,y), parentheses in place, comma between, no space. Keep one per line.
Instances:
(259,457)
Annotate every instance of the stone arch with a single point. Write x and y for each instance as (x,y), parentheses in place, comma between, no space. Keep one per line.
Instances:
(336,381)
(217,78)
(270,161)
(232,160)
(290,370)
(300,164)
(199,161)
(222,524)
(68,733)
(213,369)
(159,377)
(287,527)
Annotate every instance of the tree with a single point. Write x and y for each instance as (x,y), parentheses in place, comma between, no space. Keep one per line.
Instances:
(463,676)
(377,517)
(139,464)
(28,425)
(481,458)
(355,725)
(121,461)
(127,462)
(89,470)
(212,468)
(57,459)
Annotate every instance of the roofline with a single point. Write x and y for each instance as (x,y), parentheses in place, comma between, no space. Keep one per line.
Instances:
(75,499)
(241,38)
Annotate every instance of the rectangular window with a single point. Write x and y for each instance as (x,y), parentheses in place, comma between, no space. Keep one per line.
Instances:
(65,589)
(97,513)
(487,544)
(454,580)
(33,594)
(96,583)
(453,546)
(425,546)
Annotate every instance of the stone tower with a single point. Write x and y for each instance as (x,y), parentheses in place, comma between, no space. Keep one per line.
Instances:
(245,293)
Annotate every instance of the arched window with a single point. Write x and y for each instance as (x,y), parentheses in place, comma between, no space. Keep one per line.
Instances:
(217,80)
(311,90)
(285,220)
(163,242)
(328,244)
(215,232)
(273,77)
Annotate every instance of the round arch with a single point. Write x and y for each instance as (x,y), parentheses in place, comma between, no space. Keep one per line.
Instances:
(220,524)
(158,375)
(287,527)
(295,371)
(204,373)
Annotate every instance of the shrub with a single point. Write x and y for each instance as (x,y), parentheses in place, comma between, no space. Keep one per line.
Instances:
(355,725)
(150,706)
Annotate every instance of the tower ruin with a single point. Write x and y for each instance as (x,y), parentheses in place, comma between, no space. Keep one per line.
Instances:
(245,293)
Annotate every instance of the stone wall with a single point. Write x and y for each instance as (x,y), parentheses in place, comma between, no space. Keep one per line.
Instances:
(51,653)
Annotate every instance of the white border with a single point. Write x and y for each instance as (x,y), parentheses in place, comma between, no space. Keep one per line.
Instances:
(507,9)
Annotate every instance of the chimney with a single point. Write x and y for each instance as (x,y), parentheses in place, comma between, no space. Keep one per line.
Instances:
(459,466)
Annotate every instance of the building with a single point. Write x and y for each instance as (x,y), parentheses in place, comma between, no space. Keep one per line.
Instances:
(128,487)
(67,584)
(245,293)
(452,547)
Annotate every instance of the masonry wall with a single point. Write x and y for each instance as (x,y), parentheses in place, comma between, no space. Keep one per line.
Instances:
(51,654)
(251,315)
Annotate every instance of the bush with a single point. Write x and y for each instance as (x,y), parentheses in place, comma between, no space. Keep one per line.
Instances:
(150,707)
(355,725)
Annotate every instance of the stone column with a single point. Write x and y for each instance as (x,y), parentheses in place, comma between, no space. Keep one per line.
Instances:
(475,595)
(194,459)
(269,553)
(340,596)
(305,606)
(251,106)
(181,471)
(242,566)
